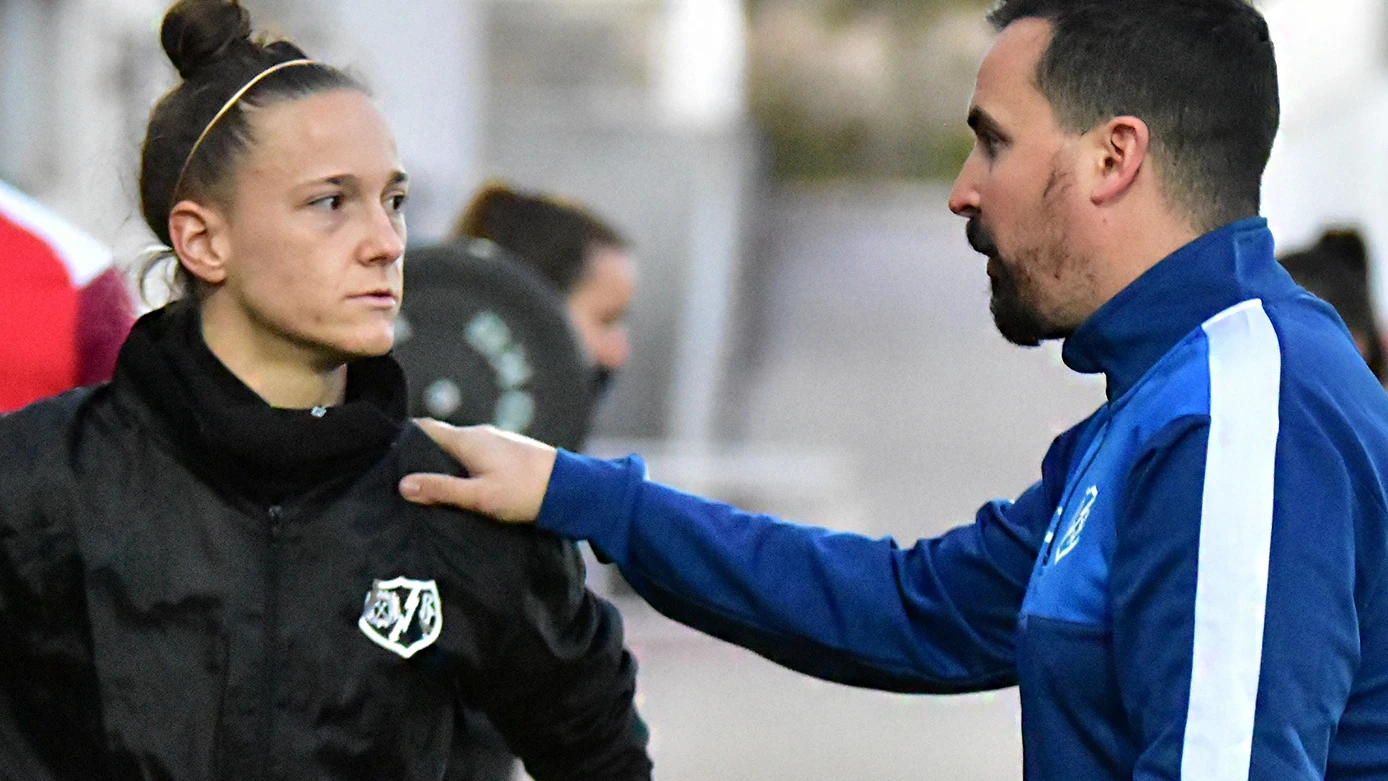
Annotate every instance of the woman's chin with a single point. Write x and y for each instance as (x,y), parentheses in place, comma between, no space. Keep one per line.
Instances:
(368,343)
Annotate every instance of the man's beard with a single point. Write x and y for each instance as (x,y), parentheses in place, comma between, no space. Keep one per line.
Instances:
(1013,301)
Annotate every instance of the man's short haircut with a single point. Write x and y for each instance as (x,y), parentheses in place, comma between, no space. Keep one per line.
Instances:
(1200,73)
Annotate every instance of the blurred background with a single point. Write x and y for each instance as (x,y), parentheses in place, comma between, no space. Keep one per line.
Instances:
(810,334)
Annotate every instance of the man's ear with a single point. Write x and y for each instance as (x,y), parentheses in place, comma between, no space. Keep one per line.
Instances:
(1121,147)
(199,238)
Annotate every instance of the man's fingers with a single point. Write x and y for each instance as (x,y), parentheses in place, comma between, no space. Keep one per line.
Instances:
(441,489)
(449,437)
(507,474)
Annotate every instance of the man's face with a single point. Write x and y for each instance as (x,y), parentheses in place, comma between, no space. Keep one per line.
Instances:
(1017,191)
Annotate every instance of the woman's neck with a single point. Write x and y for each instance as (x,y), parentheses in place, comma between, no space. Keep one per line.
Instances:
(284,373)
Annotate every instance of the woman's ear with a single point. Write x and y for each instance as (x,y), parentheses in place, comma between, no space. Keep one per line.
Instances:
(199,239)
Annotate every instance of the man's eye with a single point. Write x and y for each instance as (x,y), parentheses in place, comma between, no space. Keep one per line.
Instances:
(398,201)
(329,203)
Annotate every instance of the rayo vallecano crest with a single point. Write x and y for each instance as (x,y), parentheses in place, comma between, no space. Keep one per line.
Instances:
(1072,534)
(402,615)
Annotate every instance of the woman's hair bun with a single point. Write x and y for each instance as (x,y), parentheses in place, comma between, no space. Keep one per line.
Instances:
(1348,246)
(199,33)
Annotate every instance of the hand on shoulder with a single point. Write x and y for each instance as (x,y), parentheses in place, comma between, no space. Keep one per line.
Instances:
(506,474)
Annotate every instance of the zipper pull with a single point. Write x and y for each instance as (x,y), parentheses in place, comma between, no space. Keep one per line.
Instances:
(276,515)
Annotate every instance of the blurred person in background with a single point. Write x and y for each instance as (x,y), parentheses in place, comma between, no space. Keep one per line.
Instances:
(585,259)
(1336,270)
(1196,588)
(66,308)
(588,263)
(205,570)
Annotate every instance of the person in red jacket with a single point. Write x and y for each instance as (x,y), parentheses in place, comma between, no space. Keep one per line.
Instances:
(66,309)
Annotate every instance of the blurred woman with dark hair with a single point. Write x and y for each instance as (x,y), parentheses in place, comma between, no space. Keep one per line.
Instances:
(1336,270)
(585,259)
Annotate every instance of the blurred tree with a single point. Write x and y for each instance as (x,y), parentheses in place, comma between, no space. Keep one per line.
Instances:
(864,88)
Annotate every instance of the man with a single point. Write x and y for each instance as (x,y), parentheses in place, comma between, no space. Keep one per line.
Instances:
(1195,587)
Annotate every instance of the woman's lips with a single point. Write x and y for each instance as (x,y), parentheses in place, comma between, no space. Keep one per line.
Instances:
(381,299)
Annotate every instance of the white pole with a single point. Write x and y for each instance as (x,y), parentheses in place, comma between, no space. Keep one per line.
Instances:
(702,97)
(702,71)
(426,62)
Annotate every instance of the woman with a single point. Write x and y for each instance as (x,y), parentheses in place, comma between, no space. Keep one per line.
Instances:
(585,259)
(205,571)
(1336,270)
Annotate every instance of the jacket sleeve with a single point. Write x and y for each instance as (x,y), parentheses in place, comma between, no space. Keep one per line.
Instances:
(46,670)
(562,690)
(1235,630)
(939,616)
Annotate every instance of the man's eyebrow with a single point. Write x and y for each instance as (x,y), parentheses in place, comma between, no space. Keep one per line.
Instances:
(982,122)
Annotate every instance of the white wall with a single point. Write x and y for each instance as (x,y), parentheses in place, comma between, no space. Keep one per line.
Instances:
(1330,163)
(85,73)
(427,67)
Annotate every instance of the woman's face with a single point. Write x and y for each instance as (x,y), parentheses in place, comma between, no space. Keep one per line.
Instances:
(598,306)
(315,234)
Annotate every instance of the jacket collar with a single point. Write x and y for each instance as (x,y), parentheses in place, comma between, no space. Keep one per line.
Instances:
(234,440)
(1135,328)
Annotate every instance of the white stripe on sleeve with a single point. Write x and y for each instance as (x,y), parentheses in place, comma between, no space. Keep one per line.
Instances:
(1235,543)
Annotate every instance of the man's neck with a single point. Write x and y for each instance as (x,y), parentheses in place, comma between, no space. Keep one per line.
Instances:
(1129,251)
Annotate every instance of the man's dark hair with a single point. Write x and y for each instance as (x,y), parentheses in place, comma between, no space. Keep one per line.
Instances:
(1200,73)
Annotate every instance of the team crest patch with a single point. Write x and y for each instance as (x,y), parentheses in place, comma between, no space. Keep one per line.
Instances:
(1072,534)
(403,616)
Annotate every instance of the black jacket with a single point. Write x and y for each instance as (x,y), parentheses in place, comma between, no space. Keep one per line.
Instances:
(194,585)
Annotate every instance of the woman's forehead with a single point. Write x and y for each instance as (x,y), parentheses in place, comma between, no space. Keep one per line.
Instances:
(329,134)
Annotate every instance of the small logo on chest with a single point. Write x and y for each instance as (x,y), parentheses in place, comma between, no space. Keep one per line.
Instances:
(1071,538)
(403,616)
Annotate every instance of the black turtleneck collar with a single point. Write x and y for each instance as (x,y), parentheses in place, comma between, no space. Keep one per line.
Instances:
(231,437)
(1130,333)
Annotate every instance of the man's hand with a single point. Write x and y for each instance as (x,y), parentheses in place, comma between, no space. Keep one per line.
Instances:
(508,473)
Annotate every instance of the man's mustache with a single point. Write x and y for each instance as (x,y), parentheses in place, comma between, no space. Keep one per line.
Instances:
(980,238)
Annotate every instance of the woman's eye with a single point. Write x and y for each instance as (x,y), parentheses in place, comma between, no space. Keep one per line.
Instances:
(330,202)
(397,202)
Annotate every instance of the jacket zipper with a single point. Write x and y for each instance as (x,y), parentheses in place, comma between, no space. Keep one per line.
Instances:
(276,516)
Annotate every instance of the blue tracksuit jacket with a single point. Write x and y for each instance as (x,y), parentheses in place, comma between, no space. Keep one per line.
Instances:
(1195,588)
